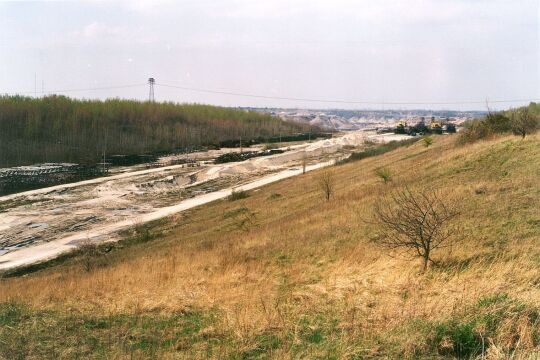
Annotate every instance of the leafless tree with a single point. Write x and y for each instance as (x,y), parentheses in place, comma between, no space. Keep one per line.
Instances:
(326,184)
(523,122)
(415,221)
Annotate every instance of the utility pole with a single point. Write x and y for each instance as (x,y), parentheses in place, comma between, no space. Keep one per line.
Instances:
(151,82)
(103,165)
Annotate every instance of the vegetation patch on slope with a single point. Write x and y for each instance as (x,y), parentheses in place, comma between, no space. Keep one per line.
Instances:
(521,121)
(378,149)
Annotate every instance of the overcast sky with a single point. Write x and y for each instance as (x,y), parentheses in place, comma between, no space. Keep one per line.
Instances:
(375,51)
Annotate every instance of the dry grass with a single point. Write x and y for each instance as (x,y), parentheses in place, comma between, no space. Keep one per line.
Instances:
(302,265)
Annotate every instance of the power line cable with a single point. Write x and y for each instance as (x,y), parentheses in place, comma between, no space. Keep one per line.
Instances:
(223,92)
(259,96)
(78,89)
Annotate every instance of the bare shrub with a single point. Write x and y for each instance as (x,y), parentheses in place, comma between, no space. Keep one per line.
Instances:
(384,174)
(415,221)
(246,221)
(481,189)
(274,196)
(89,252)
(235,212)
(326,184)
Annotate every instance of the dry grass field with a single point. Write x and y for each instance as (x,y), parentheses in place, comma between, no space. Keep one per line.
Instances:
(283,273)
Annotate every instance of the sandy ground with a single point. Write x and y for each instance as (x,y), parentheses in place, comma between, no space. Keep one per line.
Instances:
(40,224)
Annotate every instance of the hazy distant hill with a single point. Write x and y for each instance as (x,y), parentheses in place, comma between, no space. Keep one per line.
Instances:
(343,119)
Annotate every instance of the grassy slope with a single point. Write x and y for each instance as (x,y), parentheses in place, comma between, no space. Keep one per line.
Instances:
(290,275)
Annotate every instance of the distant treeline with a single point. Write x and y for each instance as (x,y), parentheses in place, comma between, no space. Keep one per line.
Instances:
(60,129)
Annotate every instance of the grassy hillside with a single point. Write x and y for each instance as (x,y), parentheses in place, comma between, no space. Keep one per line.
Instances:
(57,128)
(285,274)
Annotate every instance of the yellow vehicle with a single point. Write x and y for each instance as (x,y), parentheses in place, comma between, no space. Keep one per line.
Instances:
(436,126)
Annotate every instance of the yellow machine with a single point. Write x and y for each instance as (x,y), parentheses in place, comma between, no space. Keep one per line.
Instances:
(435,124)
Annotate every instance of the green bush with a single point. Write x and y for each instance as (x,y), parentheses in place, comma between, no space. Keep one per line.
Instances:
(235,212)
(489,321)
(497,123)
(427,141)
(384,174)
(484,128)
(521,121)
(524,122)
(238,195)
(274,196)
(458,339)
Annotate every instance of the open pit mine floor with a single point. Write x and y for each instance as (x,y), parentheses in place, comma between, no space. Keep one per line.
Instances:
(39,225)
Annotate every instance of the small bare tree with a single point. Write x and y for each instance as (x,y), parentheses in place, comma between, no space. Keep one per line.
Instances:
(523,122)
(415,221)
(326,184)
(304,162)
(89,252)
